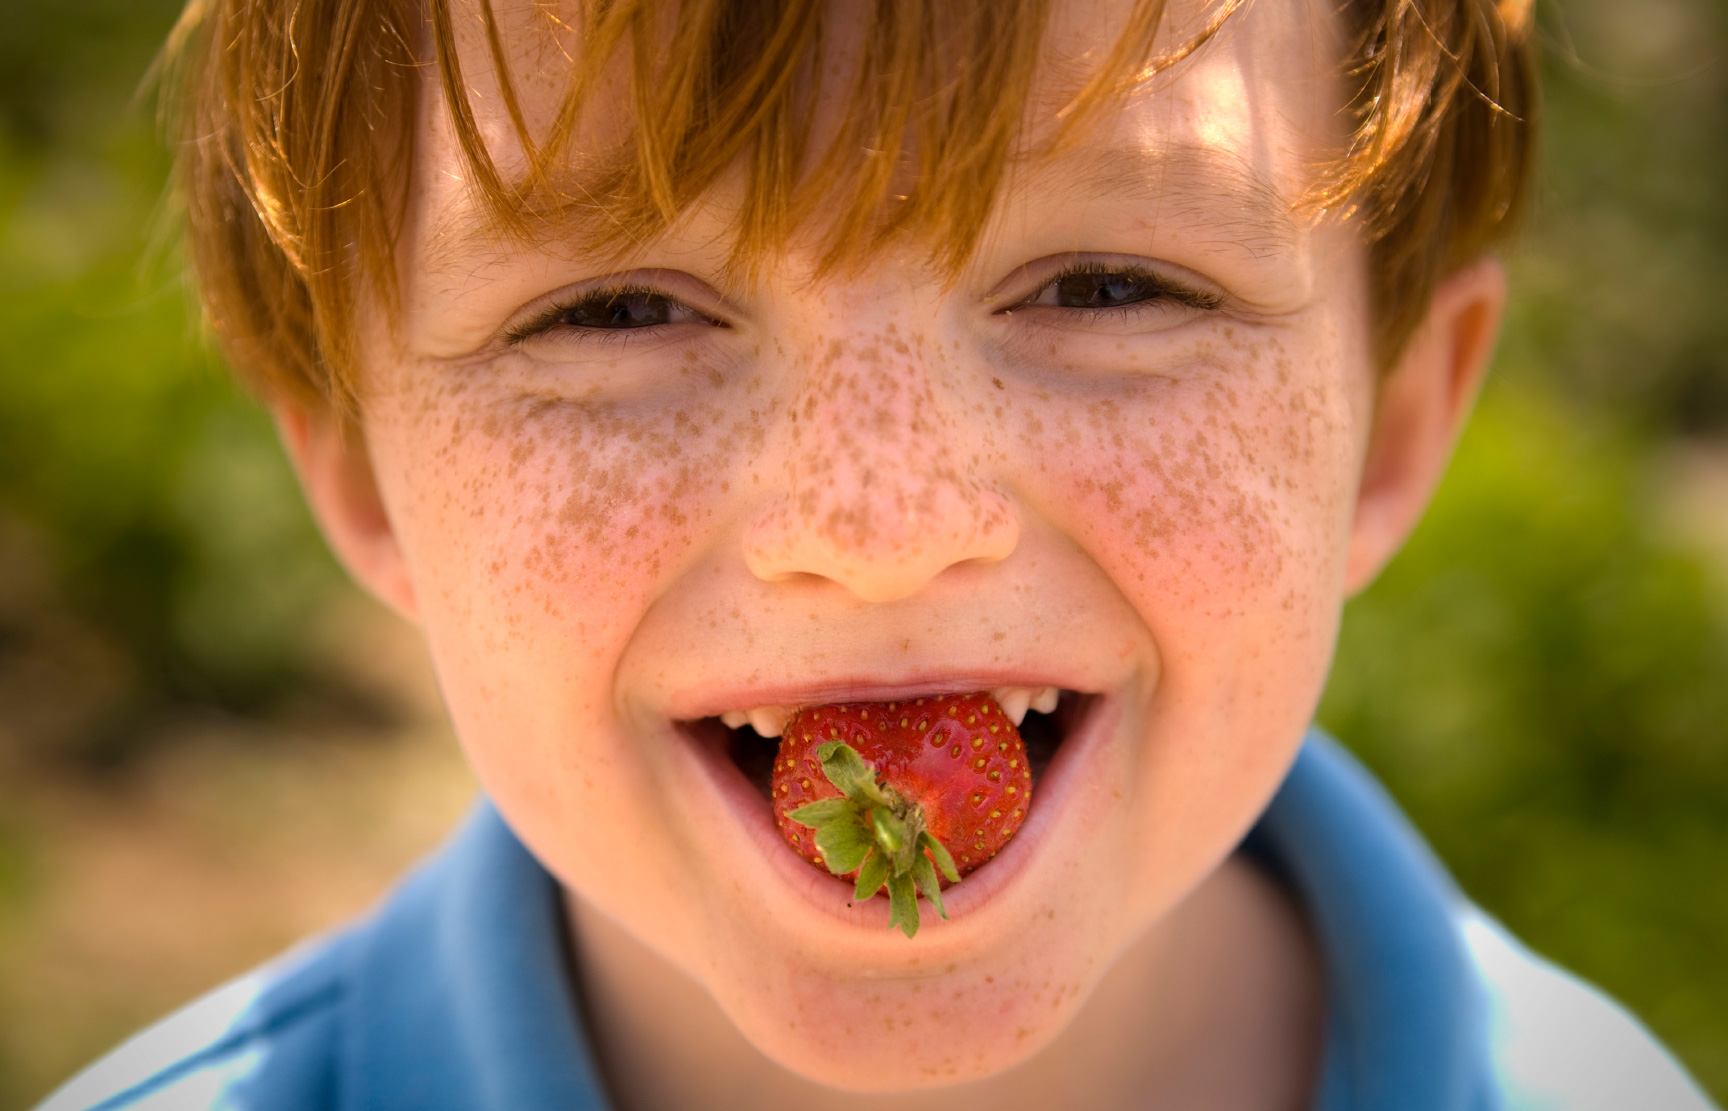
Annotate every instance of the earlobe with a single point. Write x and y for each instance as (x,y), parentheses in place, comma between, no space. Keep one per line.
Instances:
(329,453)
(1421,407)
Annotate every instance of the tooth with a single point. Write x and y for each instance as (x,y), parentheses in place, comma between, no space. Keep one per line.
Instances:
(734,719)
(769,721)
(1045,700)
(1014,701)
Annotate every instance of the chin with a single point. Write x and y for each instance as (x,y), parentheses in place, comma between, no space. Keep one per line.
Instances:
(934,1028)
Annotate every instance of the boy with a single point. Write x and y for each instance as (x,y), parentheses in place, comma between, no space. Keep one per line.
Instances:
(690,372)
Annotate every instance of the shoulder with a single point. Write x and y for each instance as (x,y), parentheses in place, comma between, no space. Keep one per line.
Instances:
(452,994)
(259,1041)
(1560,1044)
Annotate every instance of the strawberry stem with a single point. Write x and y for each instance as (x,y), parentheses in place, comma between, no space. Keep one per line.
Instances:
(874,831)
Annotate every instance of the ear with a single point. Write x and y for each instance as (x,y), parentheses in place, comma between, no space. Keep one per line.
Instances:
(1420,410)
(329,452)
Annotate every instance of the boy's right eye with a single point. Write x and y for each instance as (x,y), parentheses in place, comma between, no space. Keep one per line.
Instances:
(630,308)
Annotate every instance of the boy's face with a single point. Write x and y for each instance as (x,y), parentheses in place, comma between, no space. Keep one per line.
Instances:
(614,524)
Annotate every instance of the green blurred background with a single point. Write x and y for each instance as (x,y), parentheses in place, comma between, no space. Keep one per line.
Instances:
(1542,677)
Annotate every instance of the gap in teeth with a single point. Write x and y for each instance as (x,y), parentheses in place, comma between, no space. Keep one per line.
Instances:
(1015,701)
(768,721)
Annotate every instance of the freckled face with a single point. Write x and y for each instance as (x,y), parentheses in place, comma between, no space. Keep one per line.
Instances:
(1119,457)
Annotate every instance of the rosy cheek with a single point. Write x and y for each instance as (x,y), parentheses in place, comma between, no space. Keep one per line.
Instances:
(538,532)
(573,503)
(1193,492)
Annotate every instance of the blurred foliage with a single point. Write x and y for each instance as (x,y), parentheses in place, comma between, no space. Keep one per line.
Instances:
(1544,685)
(1542,677)
(1619,297)
(154,557)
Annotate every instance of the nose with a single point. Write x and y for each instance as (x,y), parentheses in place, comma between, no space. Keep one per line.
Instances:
(881,485)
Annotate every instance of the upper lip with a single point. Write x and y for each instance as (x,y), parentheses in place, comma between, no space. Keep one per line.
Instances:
(711,700)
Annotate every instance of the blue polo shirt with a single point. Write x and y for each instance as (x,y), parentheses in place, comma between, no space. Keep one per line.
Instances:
(456,994)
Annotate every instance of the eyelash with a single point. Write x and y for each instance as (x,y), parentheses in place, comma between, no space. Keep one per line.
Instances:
(1159,285)
(549,318)
(1162,287)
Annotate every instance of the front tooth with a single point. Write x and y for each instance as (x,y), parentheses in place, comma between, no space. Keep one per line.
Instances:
(1045,700)
(734,719)
(769,721)
(1014,701)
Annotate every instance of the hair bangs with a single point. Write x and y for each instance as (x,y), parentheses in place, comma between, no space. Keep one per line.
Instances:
(914,143)
(294,175)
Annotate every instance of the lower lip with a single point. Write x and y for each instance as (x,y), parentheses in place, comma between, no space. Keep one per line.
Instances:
(832,896)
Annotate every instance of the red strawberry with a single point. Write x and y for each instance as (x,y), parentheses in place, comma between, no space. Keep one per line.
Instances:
(891,792)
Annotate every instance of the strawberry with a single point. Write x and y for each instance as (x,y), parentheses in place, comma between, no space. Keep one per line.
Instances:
(889,793)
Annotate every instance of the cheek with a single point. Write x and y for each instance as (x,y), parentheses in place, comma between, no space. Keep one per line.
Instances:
(1219,505)
(538,530)
(1218,502)
(552,511)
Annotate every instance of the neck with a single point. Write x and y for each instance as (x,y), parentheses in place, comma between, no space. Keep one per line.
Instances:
(1219,1006)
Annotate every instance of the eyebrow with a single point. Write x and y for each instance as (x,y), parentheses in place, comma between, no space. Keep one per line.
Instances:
(1197,184)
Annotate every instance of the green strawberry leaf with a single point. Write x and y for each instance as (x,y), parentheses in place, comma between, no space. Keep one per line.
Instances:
(880,835)
(843,845)
(850,774)
(818,814)
(924,875)
(890,831)
(871,875)
(902,904)
(939,853)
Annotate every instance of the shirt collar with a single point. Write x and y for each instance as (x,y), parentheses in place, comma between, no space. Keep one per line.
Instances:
(464,994)
(1407,1014)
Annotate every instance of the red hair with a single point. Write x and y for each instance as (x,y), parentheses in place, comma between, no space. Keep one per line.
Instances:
(292,173)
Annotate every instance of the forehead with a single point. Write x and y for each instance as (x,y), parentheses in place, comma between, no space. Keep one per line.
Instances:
(1234,133)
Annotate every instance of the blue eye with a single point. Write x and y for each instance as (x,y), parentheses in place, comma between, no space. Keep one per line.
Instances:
(625,309)
(1088,290)
(620,308)
(1101,287)
(615,309)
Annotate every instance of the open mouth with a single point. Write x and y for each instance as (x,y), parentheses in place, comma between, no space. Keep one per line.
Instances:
(750,739)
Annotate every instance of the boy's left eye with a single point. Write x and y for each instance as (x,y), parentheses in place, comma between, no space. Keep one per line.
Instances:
(1096,291)
(1098,287)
